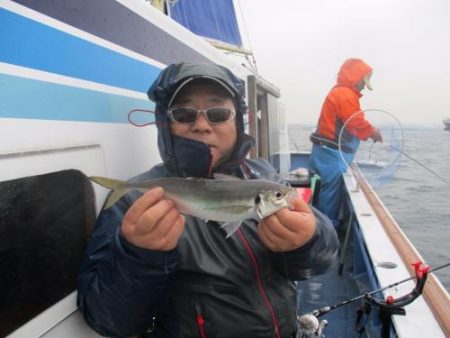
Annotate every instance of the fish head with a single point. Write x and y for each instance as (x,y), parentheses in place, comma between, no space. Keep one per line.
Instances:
(271,200)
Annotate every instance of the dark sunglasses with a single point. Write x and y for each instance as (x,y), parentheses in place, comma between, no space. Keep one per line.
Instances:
(189,115)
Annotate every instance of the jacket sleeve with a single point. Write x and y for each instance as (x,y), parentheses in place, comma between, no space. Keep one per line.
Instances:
(120,286)
(316,256)
(349,111)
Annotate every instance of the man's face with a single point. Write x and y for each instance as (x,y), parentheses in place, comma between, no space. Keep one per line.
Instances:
(360,85)
(220,137)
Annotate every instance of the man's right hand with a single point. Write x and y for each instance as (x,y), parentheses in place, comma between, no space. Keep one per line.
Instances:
(376,135)
(153,222)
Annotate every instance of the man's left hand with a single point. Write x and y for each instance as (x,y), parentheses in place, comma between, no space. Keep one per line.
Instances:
(288,230)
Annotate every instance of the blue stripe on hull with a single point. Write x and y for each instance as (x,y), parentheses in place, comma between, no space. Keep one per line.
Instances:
(27,43)
(114,22)
(33,99)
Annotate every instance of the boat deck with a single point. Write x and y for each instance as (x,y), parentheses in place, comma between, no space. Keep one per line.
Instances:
(333,288)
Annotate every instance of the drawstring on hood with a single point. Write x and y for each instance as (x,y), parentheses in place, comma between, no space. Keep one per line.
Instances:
(186,157)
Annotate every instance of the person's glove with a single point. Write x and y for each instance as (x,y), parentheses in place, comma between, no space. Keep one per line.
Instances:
(376,135)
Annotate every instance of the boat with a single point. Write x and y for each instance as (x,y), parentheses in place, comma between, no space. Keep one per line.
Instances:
(446,123)
(375,253)
(71,74)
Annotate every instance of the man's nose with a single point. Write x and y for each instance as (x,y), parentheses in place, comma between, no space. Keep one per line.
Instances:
(202,122)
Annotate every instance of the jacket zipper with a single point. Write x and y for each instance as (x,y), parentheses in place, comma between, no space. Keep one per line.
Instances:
(200,321)
(259,282)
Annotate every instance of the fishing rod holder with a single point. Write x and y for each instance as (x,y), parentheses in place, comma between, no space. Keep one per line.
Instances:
(391,306)
(309,325)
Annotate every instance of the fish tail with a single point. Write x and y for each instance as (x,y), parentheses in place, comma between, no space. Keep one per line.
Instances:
(109,183)
(114,196)
(118,187)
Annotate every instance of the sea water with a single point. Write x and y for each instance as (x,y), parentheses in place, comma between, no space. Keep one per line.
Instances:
(418,199)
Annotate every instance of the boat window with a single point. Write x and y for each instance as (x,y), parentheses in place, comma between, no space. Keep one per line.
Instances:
(45,222)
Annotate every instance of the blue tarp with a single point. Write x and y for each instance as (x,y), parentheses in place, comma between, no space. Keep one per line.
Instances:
(214,19)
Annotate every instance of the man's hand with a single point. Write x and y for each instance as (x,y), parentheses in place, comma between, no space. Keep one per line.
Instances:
(153,222)
(376,135)
(288,230)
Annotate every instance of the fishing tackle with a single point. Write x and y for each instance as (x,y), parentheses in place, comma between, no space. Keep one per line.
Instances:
(397,129)
(421,164)
(309,325)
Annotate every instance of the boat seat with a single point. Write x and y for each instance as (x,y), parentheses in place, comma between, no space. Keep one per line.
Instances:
(45,223)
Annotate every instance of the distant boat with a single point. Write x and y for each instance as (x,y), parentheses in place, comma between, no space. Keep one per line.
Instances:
(446,123)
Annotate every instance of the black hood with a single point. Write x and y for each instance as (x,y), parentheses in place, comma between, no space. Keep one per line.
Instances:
(185,157)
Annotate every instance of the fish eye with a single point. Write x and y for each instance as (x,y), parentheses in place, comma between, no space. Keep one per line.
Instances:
(257,199)
(278,194)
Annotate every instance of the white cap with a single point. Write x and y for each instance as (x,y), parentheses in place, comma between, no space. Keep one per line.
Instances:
(366,79)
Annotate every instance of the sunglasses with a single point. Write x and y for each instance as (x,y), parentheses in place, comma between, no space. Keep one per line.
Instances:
(213,115)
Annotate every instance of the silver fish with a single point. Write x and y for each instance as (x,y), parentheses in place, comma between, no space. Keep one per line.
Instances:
(225,199)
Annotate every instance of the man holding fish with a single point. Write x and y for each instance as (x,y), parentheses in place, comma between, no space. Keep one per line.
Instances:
(208,243)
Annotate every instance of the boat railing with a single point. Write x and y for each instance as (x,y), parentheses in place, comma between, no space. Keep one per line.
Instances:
(434,293)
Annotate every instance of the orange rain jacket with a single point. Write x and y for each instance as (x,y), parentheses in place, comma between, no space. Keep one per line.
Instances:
(342,102)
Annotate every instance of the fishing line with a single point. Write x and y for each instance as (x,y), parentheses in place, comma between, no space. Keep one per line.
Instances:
(422,165)
(297,148)
(255,68)
(376,160)
(370,150)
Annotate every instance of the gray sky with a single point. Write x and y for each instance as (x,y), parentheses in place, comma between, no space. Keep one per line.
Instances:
(299,46)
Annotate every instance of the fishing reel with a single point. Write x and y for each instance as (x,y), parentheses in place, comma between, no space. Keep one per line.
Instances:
(309,325)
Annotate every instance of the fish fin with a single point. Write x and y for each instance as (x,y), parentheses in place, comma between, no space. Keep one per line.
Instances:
(114,196)
(109,183)
(231,227)
(223,177)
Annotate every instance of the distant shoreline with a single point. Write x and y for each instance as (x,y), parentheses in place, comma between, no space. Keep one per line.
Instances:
(409,126)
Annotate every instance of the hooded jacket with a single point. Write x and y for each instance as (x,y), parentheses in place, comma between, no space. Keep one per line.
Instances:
(341,107)
(178,152)
(210,284)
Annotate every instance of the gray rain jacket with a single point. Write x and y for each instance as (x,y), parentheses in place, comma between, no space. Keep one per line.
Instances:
(210,285)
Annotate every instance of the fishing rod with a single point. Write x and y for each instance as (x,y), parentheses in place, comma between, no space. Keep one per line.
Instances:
(310,325)
(297,148)
(419,163)
(326,309)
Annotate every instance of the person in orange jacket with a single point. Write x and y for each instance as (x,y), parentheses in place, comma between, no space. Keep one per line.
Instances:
(340,110)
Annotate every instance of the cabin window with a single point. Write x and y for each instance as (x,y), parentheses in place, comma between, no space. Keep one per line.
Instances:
(45,222)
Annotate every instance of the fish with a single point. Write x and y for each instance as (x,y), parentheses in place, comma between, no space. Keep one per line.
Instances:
(225,199)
